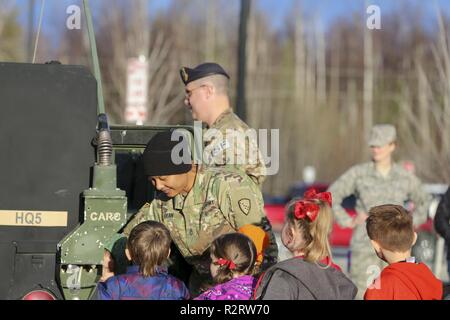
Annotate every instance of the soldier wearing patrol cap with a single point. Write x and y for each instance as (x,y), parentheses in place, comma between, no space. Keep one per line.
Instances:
(378,182)
(207,97)
(197,204)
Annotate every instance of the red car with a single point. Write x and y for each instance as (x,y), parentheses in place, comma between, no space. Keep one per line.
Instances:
(340,237)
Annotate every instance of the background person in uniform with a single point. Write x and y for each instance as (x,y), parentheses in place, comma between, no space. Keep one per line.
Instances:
(197,204)
(375,183)
(442,223)
(207,87)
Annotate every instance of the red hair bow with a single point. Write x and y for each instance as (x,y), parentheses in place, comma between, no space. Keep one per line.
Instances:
(224,262)
(313,195)
(307,208)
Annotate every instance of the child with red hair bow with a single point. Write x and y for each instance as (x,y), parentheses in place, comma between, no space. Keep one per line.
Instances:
(311,274)
(233,263)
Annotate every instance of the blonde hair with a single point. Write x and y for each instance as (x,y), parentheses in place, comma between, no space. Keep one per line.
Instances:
(239,249)
(149,246)
(315,234)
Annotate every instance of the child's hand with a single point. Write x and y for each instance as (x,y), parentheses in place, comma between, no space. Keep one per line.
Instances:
(107,267)
(359,219)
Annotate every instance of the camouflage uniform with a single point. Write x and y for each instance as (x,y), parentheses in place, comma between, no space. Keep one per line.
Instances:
(372,189)
(216,148)
(219,202)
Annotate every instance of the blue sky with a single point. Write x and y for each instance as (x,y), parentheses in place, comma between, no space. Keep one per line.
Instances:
(328,10)
(325,10)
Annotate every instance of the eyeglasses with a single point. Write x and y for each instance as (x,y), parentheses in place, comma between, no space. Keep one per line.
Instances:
(190,92)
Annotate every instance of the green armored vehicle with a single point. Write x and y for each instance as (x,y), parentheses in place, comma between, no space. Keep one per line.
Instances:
(69,181)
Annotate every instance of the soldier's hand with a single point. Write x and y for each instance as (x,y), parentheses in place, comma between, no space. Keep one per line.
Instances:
(107,266)
(360,218)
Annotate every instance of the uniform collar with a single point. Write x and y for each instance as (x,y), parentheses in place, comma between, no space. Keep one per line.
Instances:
(198,192)
(395,168)
(222,116)
(178,202)
(195,196)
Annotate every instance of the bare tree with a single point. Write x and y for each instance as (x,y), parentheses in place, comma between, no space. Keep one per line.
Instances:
(368,80)
(128,34)
(321,64)
(321,86)
(11,48)
(210,30)
(425,107)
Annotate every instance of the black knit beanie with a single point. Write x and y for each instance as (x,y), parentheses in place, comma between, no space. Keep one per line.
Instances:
(157,156)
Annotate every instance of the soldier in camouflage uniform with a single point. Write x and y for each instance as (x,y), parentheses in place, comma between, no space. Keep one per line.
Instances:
(207,98)
(197,204)
(375,183)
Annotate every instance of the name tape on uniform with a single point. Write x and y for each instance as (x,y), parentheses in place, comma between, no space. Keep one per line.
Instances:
(19,218)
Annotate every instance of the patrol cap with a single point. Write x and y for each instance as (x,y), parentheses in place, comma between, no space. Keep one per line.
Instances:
(157,156)
(381,135)
(201,71)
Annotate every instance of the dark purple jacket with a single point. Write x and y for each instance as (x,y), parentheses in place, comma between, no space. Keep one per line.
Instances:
(134,286)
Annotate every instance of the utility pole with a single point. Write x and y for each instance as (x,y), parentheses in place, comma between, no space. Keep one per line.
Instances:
(30,36)
(210,38)
(368,78)
(242,59)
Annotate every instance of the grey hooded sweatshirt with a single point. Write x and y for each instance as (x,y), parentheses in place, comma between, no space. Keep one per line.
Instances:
(296,279)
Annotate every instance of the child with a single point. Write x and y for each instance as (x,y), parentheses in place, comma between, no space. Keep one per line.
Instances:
(311,274)
(233,258)
(148,247)
(390,229)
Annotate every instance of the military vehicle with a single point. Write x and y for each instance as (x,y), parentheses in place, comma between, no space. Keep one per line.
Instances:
(69,181)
